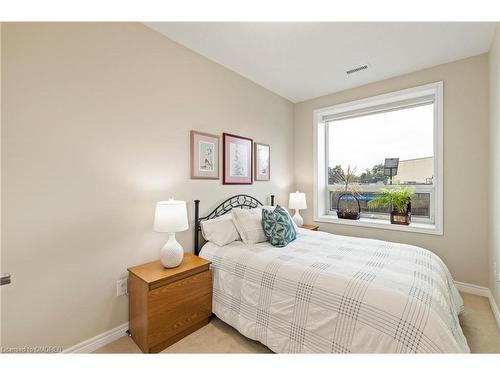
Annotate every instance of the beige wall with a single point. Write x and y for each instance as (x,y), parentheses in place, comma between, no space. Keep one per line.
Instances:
(494,221)
(96,121)
(463,247)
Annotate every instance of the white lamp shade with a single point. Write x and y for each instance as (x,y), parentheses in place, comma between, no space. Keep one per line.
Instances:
(171,216)
(297,201)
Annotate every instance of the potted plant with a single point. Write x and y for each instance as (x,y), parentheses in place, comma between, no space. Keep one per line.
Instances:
(399,199)
(348,194)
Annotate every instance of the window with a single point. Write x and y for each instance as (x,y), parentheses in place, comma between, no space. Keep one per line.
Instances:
(355,138)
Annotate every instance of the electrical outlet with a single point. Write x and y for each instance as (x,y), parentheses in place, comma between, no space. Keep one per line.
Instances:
(121,287)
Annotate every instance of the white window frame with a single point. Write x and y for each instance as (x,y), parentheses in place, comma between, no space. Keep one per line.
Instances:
(321,188)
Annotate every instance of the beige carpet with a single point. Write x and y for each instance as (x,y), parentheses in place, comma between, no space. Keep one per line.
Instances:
(477,322)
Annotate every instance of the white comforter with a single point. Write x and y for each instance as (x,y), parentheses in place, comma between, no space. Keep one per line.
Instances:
(325,293)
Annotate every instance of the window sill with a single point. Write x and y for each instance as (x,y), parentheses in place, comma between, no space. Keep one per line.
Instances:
(382,224)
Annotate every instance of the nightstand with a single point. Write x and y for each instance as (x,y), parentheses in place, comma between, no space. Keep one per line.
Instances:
(310,227)
(166,304)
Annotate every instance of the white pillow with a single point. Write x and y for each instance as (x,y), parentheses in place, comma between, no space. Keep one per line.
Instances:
(221,230)
(271,208)
(248,222)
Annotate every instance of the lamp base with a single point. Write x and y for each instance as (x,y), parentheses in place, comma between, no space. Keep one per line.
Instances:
(172,253)
(298,219)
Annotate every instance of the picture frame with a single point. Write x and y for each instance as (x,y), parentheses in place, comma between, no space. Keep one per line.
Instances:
(262,154)
(237,160)
(204,156)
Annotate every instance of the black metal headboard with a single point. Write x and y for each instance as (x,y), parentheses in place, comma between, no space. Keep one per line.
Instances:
(240,200)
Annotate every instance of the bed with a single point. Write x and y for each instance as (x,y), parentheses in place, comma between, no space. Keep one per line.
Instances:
(326,293)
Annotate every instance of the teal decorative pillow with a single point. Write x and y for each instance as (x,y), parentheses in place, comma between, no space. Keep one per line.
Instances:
(278,227)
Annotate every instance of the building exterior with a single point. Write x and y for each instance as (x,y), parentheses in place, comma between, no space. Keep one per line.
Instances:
(415,171)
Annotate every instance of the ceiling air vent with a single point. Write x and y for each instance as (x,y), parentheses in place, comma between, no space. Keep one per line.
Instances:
(358,69)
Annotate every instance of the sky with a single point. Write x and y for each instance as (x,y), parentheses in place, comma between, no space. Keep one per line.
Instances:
(365,141)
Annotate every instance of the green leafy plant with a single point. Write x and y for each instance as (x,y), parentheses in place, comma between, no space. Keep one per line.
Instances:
(396,198)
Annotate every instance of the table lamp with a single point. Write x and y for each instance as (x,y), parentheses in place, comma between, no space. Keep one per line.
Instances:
(297,201)
(171,217)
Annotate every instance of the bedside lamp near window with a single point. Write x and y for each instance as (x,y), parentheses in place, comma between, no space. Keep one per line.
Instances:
(297,202)
(171,217)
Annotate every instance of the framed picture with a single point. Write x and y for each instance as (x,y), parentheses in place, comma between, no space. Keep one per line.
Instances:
(237,154)
(262,162)
(204,156)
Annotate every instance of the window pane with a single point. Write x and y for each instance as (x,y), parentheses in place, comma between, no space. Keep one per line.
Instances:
(420,204)
(363,143)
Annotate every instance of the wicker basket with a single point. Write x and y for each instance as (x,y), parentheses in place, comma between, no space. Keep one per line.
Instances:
(343,213)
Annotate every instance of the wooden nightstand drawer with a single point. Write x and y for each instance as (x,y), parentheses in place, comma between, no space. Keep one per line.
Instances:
(176,293)
(167,304)
(175,307)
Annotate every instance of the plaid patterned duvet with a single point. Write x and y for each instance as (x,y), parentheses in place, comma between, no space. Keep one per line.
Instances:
(325,293)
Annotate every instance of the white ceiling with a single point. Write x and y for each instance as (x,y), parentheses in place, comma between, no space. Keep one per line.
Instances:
(300,61)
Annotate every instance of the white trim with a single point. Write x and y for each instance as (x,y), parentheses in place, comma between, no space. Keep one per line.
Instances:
(379,224)
(319,198)
(494,308)
(405,94)
(481,291)
(472,289)
(96,342)
(438,158)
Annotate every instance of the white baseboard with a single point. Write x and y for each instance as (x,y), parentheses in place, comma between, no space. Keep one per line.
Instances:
(96,342)
(472,289)
(481,291)
(494,308)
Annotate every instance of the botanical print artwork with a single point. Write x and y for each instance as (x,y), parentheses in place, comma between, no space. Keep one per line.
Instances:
(238,162)
(238,159)
(263,159)
(262,163)
(206,151)
(204,156)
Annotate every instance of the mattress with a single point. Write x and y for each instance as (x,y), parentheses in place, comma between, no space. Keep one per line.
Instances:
(325,293)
